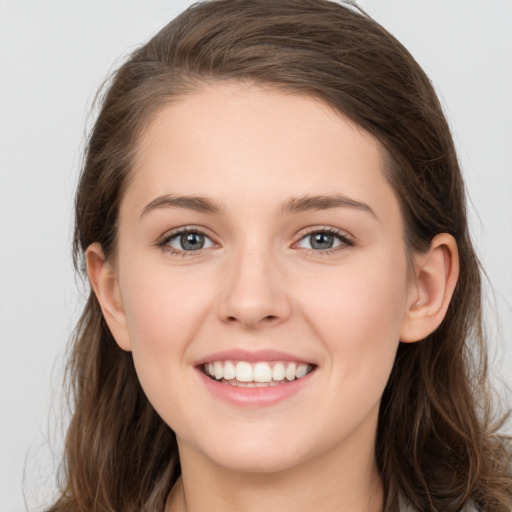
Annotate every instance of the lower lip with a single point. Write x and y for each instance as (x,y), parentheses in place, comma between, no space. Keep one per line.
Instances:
(259,397)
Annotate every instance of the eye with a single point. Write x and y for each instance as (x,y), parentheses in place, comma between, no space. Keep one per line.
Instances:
(324,240)
(187,241)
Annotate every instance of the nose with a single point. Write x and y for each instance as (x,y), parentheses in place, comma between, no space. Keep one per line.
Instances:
(254,294)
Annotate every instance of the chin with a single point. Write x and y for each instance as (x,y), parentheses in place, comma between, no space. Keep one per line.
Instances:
(255,456)
(256,462)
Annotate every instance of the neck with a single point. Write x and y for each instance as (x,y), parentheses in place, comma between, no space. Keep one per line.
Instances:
(330,482)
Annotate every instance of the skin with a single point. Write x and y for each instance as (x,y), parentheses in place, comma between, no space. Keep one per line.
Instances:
(259,285)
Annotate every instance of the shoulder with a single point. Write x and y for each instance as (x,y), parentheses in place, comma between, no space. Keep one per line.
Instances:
(470,508)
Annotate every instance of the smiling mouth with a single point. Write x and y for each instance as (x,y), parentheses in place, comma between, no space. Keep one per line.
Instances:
(260,374)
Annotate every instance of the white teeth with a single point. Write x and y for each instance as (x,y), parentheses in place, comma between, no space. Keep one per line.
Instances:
(278,372)
(261,374)
(218,370)
(301,370)
(229,371)
(244,372)
(290,371)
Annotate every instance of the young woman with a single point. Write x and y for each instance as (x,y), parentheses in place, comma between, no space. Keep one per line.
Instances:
(285,303)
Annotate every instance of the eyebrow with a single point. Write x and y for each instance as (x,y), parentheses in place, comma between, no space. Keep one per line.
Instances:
(324,202)
(196,203)
(292,205)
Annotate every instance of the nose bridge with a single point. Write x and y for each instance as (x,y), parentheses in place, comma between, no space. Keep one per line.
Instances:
(254,292)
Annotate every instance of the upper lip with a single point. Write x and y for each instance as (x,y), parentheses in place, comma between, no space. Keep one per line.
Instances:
(252,356)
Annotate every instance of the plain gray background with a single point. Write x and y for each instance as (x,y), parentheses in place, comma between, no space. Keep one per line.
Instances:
(53,57)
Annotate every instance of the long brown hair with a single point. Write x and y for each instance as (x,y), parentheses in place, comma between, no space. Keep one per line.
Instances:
(435,441)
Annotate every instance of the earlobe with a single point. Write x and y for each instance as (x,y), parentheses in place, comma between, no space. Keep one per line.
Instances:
(105,285)
(436,274)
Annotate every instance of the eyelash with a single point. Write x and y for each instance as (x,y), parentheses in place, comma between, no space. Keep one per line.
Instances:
(345,241)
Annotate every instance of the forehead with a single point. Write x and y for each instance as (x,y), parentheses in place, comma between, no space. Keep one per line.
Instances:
(239,141)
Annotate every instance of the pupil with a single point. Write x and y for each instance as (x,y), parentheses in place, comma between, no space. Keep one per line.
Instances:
(321,241)
(192,241)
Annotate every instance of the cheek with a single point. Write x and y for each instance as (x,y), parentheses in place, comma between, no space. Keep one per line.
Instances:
(161,304)
(164,313)
(358,313)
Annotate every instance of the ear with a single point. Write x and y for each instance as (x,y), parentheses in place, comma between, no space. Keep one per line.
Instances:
(105,285)
(436,274)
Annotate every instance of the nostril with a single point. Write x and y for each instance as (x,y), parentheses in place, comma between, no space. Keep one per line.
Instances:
(265,319)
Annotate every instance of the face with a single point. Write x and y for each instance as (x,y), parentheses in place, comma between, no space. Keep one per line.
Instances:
(262,275)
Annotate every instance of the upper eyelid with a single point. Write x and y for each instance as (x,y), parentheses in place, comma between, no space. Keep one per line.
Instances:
(342,233)
(186,229)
